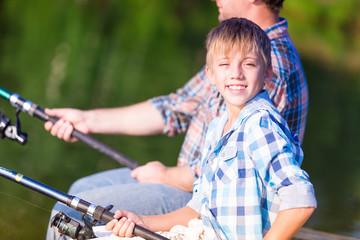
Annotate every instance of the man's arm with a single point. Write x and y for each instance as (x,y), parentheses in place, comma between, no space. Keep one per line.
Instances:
(138,119)
(288,222)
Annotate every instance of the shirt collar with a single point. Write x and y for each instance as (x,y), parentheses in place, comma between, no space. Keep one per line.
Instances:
(260,102)
(277,30)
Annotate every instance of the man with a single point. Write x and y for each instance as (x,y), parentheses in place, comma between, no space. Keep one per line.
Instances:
(189,110)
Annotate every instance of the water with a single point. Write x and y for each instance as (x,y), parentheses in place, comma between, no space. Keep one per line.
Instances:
(331,148)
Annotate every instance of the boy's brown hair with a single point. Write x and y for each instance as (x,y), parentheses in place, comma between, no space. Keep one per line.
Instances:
(241,34)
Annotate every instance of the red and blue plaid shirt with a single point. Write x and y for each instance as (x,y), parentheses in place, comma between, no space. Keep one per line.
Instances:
(191,108)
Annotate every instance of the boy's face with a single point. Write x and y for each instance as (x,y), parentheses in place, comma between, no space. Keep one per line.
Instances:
(237,77)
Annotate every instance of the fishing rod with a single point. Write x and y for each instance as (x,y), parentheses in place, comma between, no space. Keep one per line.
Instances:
(96,212)
(65,224)
(35,111)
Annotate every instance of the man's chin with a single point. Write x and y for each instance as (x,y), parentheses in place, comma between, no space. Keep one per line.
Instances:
(221,18)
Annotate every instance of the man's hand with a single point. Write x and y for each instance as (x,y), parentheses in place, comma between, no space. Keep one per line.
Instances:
(155,172)
(68,119)
(152,172)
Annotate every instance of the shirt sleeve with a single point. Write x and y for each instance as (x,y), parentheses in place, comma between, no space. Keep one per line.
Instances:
(177,109)
(278,161)
(195,202)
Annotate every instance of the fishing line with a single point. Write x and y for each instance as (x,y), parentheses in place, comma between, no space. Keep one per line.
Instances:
(25,201)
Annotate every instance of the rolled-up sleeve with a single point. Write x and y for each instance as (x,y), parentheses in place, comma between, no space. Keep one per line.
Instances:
(297,196)
(281,171)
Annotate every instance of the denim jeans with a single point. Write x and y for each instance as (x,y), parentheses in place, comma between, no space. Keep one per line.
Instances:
(116,187)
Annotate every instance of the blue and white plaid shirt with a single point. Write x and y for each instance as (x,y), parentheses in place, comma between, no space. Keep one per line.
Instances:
(250,173)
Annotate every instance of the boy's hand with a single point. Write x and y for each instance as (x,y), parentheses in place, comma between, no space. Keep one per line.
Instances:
(125,226)
(69,118)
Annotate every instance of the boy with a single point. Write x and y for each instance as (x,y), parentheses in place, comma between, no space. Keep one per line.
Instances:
(251,185)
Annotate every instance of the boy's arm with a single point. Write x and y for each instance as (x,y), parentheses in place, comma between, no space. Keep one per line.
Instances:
(125,226)
(288,222)
(165,222)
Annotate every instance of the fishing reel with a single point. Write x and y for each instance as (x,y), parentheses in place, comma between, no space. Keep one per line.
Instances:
(12,131)
(72,228)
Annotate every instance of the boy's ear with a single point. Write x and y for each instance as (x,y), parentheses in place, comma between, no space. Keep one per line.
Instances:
(268,75)
(210,75)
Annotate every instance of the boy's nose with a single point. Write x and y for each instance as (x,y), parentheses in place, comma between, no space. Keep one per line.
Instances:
(237,72)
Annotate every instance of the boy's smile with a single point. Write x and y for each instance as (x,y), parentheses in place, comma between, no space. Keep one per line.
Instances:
(237,77)
(236,88)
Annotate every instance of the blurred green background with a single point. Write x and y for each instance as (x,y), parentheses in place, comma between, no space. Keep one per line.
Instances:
(106,53)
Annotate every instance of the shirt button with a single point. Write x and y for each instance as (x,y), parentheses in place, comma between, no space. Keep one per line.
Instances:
(223,154)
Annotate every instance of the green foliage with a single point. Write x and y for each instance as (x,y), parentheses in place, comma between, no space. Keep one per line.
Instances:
(106,53)
(326,30)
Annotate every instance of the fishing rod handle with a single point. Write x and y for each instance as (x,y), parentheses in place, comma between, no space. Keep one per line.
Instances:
(100,213)
(107,216)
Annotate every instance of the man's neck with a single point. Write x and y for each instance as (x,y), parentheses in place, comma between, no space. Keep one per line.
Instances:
(263,17)
(268,21)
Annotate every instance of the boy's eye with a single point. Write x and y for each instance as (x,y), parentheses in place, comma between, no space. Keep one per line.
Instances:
(223,64)
(250,64)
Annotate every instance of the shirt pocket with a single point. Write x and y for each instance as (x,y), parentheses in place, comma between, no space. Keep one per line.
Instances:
(226,170)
